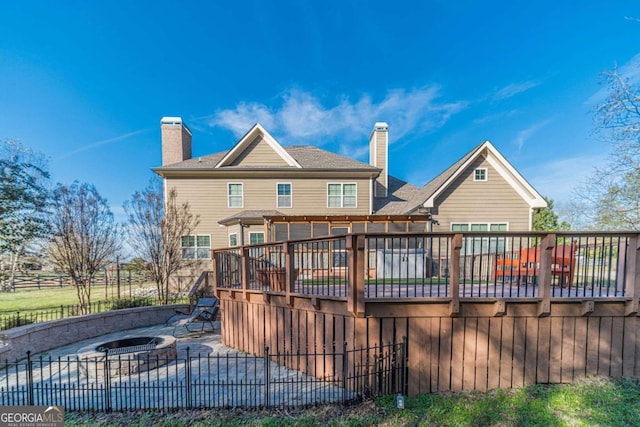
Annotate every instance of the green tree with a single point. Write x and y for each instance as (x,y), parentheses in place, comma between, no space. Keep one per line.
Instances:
(547,220)
(156,227)
(24,197)
(137,265)
(85,236)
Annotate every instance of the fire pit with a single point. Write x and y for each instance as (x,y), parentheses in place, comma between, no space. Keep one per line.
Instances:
(126,356)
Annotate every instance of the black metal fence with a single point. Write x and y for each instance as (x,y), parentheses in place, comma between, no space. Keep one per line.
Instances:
(12,319)
(226,380)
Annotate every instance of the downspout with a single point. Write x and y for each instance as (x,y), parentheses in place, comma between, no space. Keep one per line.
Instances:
(241,233)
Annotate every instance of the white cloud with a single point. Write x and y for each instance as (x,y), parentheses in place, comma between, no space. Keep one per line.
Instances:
(558,179)
(303,116)
(524,135)
(97,144)
(495,117)
(631,69)
(243,117)
(514,89)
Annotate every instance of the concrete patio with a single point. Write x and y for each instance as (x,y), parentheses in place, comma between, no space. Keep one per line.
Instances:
(205,374)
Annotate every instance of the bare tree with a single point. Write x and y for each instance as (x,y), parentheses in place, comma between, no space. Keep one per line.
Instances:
(612,194)
(84,236)
(156,228)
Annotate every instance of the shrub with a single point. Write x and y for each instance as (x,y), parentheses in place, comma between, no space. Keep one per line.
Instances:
(131,303)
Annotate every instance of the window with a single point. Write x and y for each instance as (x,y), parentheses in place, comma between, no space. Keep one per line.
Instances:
(462,227)
(235,194)
(256,238)
(480,245)
(480,174)
(341,195)
(339,249)
(284,194)
(459,227)
(497,227)
(233,239)
(196,247)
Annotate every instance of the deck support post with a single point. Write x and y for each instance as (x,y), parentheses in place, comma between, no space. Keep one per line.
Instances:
(454,274)
(587,307)
(355,279)
(500,308)
(245,272)
(547,244)
(216,273)
(289,285)
(632,280)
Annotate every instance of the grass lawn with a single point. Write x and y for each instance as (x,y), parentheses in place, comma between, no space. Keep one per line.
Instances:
(590,402)
(54,297)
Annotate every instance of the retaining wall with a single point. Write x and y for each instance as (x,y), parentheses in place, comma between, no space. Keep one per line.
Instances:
(40,337)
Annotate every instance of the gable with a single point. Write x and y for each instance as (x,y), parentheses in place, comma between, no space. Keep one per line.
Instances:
(258,153)
(494,191)
(486,152)
(466,200)
(266,149)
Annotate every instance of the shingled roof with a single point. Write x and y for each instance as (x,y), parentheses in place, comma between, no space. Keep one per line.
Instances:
(307,156)
(248,215)
(403,198)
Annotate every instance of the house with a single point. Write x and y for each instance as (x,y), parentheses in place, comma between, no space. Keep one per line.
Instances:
(260,191)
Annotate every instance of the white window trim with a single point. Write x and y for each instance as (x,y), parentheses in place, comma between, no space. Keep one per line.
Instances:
(486,174)
(290,195)
(196,247)
(487,234)
(229,195)
(236,235)
(488,224)
(342,184)
(256,232)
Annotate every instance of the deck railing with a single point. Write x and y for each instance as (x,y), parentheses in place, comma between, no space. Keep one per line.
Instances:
(438,265)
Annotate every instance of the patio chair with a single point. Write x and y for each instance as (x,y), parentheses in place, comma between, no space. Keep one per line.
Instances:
(523,267)
(204,311)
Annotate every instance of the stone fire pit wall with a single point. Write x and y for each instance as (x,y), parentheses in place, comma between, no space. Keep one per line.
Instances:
(40,337)
(161,350)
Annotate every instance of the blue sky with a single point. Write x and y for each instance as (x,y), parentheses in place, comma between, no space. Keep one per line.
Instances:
(86,82)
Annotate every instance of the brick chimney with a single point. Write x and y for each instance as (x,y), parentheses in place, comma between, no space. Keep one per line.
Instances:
(379,157)
(176,140)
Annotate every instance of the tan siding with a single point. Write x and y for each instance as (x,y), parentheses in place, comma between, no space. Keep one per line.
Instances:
(259,153)
(208,198)
(491,201)
(202,200)
(234,229)
(254,229)
(310,197)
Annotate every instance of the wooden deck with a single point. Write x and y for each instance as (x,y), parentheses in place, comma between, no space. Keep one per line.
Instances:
(474,332)
(470,290)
